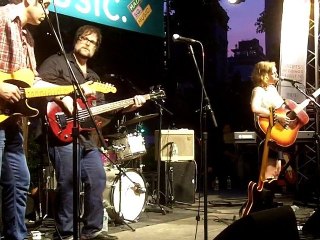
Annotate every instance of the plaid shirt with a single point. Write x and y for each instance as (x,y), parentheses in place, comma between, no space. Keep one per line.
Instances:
(16,43)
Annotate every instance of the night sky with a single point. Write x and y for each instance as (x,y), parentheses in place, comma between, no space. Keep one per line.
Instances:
(244,14)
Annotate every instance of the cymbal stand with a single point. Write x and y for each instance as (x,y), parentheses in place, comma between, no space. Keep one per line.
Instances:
(158,158)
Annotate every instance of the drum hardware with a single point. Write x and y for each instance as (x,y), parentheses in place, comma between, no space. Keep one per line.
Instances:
(161,208)
(119,148)
(139,118)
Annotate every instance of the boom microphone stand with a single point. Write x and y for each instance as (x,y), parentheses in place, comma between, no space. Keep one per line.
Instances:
(204,133)
(312,99)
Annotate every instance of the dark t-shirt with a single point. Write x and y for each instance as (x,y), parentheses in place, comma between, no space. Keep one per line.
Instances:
(56,70)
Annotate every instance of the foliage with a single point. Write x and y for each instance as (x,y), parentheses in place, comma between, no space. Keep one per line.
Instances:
(261,23)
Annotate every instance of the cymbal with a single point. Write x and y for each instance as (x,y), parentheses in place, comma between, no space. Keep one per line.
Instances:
(115,135)
(140,118)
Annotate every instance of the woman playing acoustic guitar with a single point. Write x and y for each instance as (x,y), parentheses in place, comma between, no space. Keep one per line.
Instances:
(265,96)
(264,100)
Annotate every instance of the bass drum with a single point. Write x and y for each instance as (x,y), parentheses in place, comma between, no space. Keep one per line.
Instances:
(126,194)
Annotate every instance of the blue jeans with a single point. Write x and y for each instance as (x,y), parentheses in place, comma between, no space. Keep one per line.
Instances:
(93,177)
(15,180)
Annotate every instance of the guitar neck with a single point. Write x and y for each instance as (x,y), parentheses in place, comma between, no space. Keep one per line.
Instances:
(46,91)
(264,162)
(33,92)
(265,154)
(96,110)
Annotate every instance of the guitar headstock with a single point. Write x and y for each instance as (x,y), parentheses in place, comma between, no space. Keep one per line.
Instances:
(102,87)
(158,93)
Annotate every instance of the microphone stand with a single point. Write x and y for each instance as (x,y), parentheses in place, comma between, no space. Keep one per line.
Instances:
(204,136)
(312,99)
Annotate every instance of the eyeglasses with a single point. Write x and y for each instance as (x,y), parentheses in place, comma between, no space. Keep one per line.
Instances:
(85,39)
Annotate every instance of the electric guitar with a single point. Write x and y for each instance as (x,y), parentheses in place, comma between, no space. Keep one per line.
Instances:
(61,124)
(255,195)
(24,79)
(285,136)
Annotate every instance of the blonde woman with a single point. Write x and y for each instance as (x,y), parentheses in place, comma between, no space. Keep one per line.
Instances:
(265,95)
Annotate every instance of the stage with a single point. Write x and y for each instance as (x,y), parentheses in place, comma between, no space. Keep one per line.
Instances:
(179,221)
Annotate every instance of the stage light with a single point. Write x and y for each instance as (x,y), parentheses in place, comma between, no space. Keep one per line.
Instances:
(236,1)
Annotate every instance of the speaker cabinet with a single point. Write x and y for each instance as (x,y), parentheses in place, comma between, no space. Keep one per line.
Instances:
(184,180)
(312,224)
(179,181)
(175,145)
(275,223)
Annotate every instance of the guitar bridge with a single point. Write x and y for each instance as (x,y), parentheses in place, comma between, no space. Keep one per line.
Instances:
(61,120)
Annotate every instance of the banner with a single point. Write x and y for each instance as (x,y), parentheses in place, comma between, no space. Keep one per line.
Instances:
(294,47)
(136,15)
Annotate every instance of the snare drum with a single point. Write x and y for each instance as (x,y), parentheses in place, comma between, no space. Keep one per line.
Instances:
(130,200)
(130,147)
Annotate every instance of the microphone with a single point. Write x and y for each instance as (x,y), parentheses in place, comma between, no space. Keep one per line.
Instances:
(290,80)
(178,38)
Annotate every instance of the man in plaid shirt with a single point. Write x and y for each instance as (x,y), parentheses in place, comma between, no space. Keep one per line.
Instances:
(16,52)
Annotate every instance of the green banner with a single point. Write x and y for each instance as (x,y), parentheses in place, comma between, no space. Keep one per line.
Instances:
(144,16)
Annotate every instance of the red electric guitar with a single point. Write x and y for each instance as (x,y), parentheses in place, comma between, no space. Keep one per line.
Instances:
(254,202)
(285,136)
(61,124)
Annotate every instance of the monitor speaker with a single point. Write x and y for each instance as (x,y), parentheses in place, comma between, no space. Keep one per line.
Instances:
(274,223)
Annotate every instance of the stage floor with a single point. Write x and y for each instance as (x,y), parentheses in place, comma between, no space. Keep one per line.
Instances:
(187,221)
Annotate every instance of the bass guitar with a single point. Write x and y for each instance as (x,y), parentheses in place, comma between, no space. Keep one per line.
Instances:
(23,78)
(285,136)
(255,200)
(61,124)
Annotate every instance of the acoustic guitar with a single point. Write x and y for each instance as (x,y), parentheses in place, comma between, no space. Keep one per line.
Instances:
(285,136)
(255,200)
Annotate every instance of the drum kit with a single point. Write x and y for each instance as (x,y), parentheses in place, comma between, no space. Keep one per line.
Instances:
(125,195)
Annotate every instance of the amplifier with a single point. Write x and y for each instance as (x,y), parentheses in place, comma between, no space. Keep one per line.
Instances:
(175,145)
